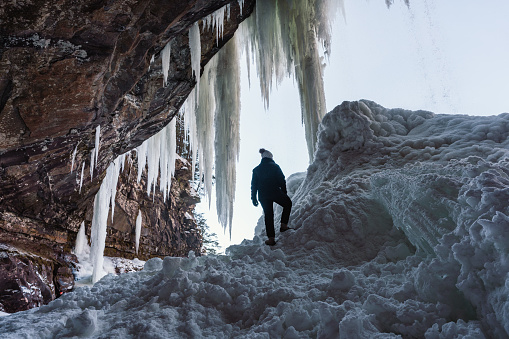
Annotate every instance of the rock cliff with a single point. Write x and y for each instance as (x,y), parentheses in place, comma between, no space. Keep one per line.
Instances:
(67,67)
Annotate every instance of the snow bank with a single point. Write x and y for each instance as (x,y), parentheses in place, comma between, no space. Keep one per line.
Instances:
(400,231)
(443,180)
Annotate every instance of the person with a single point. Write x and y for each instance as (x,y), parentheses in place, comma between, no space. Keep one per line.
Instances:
(270,184)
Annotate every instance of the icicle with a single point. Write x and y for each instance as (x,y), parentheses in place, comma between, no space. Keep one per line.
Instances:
(81,242)
(227,133)
(102,202)
(160,150)
(152,162)
(219,24)
(97,141)
(172,141)
(195,47)
(141,151)
(189,114)
(241,5)
(94,154)
(151,62)
(216,115)
(124,156)
(74,156)
(99,223)
(216,21)
(138,230)
(92,163)
(82,174)
(166,61)
(168,151)
(163,160)
(119,165)
(159,154)
(205,125)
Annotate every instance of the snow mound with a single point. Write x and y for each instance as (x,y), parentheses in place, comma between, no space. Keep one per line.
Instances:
(401,231)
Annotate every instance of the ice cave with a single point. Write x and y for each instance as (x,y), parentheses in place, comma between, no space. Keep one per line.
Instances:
(110,110)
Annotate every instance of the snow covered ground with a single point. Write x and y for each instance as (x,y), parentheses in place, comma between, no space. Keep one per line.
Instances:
(401,230)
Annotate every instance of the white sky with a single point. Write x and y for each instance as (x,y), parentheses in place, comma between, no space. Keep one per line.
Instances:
(443,56)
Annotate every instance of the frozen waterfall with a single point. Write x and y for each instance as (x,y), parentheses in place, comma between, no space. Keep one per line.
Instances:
(282,39)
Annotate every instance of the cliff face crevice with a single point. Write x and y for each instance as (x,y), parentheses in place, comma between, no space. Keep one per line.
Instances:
(67,67)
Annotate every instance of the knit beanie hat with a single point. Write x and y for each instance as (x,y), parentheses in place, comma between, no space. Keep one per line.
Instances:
(265,153)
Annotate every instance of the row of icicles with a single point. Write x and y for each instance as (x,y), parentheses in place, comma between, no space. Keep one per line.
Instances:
(281,38)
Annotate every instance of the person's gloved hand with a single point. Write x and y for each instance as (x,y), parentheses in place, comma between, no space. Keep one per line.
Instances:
(255,202)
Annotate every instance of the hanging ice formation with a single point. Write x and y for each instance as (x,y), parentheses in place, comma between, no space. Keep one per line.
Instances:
(203,115)
(192,99)
(241,5)
(195,47)
(216,21)
(283,38)
(227,143)
(74,157)
(92,163)
(81,242)
(102,201)
(165,59)
(82,174)
(138,231)
(94,154)
(211,116)
(158,153)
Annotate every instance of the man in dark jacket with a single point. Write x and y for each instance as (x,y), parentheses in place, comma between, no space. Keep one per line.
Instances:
(269,181)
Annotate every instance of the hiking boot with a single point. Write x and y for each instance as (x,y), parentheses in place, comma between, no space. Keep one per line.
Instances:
(284,227)
(270,242)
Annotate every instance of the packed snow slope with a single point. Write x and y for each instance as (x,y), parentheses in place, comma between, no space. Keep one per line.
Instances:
(401,230)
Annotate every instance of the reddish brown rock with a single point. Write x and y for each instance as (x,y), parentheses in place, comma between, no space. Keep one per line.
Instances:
(28,280)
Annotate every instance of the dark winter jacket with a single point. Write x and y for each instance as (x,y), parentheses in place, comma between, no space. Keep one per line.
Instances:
(268,180)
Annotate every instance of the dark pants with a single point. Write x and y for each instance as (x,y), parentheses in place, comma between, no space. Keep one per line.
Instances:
(268,210)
